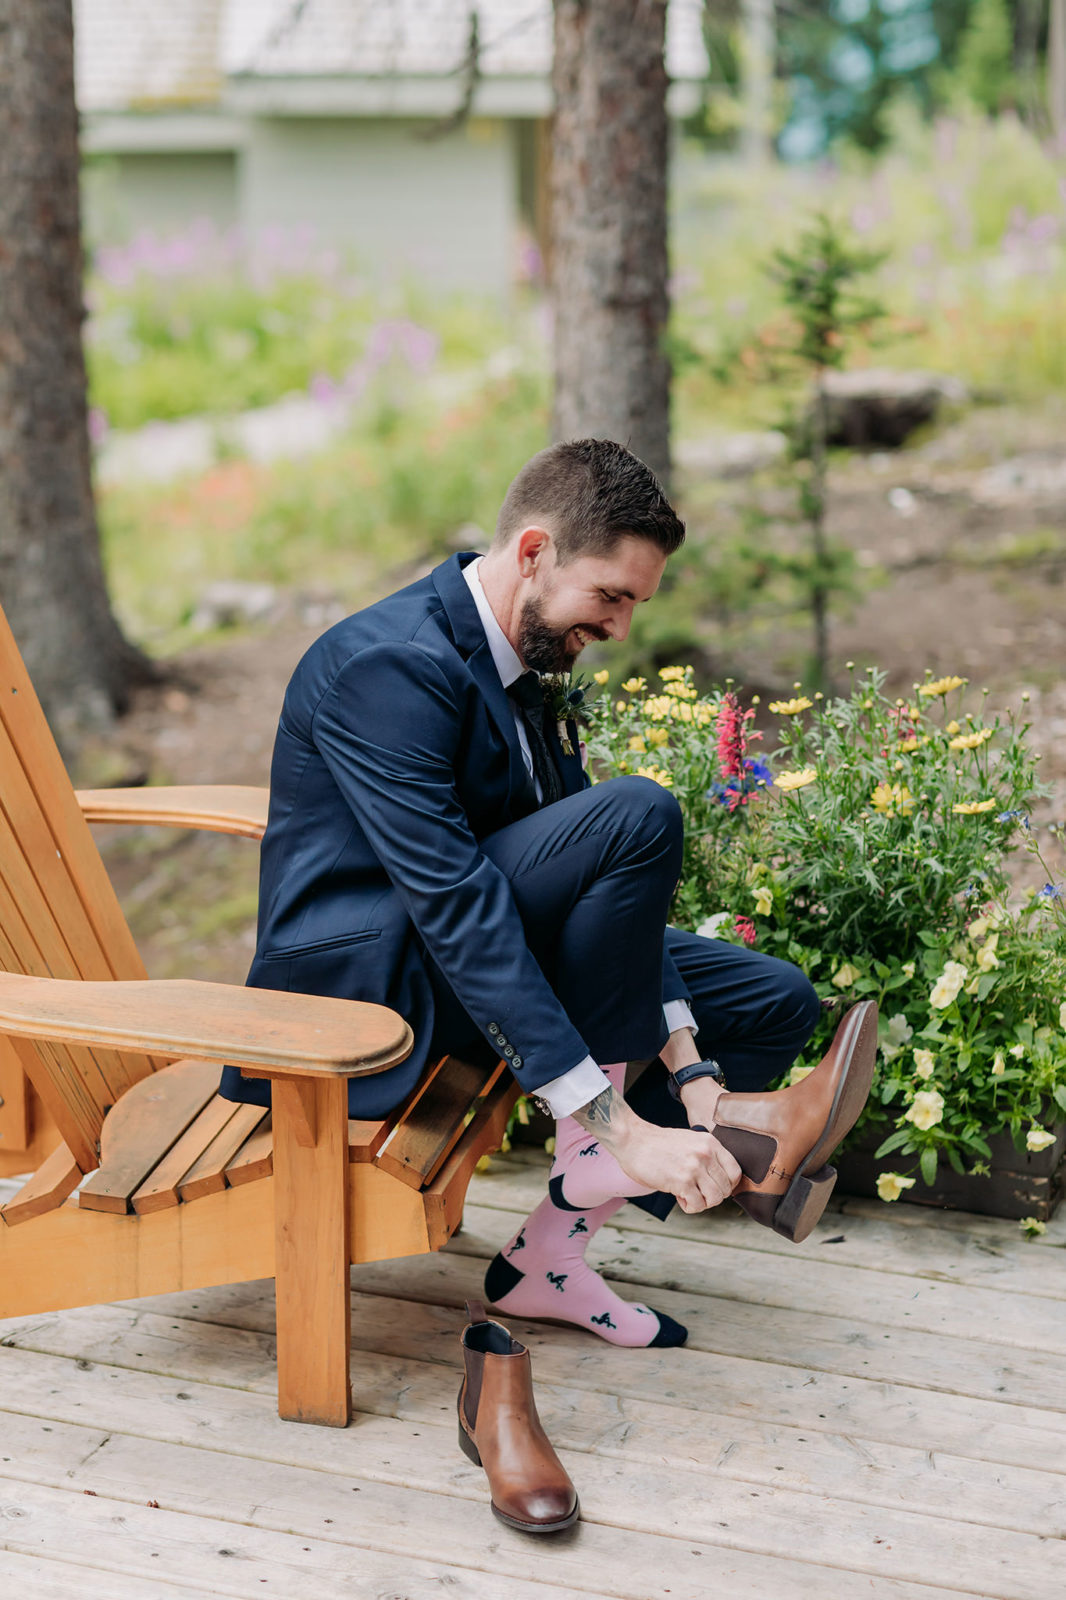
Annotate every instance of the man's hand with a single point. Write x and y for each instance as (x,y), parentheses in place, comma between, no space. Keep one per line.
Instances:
(694,1167)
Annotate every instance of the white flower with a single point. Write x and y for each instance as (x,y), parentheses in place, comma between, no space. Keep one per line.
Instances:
(1038,1139)
(986,956)
(764,901)
(948,984)
(978,928)
(897,1032)
(999,1065)
(908,972)
(926,1109)
(924,1061)
(890,1185)
(1017,1051)
(845,976)
(710,926)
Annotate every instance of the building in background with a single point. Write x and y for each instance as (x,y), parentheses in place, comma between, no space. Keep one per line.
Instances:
(338,117)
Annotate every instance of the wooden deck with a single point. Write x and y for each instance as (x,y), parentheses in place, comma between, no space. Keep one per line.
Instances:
(879,1413)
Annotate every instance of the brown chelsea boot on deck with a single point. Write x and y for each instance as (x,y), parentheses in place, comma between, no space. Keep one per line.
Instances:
(499,1429)
(783,1139)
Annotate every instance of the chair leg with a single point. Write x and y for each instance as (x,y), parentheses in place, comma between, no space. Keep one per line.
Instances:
(312,1254)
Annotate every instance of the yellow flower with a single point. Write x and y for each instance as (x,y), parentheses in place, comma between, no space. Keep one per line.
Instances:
(908,969)
(703,714)
(890,798)
(970,741)
(657,775)
(601,677)
(637,743)
(845,976)
(673,674)
(1038,1139)
(948,985)
(791,708)
(999,1065)
(978,928)
(910,743)
(926,1109)
(682,710)
(890,1185)
(764,901)
(797,1074)
(924,1061)
(953,726)
(1062,1016)
(685,690)
(970,808)
(658,736)
(941,686)
(796,780)
(659,707)
(620,706)
(986,956)
(1032,1227)
(633,685)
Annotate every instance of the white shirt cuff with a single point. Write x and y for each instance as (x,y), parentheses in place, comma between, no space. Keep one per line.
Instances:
(679,1015)
(574,1089)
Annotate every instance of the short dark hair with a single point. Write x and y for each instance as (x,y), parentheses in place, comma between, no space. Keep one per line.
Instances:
(590,493)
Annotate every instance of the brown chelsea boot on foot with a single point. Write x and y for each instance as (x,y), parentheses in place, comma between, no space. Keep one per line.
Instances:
(783,1138)
(499,1429)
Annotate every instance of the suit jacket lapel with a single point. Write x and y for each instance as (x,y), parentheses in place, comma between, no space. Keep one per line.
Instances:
(469,636)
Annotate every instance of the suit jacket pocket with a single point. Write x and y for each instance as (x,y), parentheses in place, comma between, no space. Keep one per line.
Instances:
(338,941)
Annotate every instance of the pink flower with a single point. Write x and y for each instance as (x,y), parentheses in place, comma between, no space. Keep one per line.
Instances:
(746,928)
(733,736)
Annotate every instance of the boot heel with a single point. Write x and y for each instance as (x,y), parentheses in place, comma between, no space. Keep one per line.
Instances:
(802,1204)
(468,1447)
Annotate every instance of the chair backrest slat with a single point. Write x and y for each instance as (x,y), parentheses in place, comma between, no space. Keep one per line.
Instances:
(59,915)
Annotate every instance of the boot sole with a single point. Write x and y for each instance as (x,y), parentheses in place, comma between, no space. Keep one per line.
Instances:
(801,1206)
(470,1450)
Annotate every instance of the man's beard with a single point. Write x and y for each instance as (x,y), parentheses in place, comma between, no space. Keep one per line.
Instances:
(542,647)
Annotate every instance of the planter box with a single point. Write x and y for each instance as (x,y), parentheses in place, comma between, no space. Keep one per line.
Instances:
(1019,1184)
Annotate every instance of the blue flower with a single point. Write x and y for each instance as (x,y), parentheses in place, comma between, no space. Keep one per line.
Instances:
(1050,891)
(1014,816)
(737,792)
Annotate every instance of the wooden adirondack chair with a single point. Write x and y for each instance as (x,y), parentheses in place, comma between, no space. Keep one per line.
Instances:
(108,1085)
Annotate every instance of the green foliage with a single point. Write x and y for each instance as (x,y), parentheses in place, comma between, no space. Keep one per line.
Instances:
(878,859)
(985,66)
(395,490)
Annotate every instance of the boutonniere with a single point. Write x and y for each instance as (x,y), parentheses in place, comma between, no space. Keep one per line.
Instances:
(565,697)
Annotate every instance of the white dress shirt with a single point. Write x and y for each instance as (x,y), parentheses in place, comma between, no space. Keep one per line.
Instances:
(573,1089)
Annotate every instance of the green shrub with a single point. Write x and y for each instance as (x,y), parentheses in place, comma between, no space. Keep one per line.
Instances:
(872,846)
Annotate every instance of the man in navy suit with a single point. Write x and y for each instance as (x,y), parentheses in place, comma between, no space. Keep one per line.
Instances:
(435,846)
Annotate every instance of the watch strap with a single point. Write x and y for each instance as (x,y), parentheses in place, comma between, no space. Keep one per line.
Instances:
(699,1069)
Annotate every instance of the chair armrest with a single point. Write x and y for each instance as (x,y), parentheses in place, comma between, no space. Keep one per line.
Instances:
(268,1029)
(217,808)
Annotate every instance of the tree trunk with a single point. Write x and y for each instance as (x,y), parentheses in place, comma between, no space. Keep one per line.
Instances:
(757,80)
(609,262)
(51,577)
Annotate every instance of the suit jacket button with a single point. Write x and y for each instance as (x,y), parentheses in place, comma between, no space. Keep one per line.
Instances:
(508,1051)
(517,1062)
(493,1029)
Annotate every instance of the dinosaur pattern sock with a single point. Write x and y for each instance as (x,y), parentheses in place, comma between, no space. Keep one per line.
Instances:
(542,1271)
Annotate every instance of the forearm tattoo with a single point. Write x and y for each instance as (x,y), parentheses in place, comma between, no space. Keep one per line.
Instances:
(597,1116)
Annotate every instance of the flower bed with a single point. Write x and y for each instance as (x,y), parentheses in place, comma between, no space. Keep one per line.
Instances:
(873,847)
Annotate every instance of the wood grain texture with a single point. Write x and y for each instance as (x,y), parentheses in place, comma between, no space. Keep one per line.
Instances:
(160,1188)
(217,808)
(141,1129)
(56,1178)
(267,1028)
(428,1128)
(312,1251)
(208,1173)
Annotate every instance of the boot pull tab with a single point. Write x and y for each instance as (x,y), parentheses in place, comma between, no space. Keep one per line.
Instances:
(475,1311)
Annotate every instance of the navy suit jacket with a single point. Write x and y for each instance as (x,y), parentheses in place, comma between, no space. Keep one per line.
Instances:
(396,753)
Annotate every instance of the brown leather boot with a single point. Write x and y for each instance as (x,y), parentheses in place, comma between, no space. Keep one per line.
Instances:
(782,1139)
(499,1429)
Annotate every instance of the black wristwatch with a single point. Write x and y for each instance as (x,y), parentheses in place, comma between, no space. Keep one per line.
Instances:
(675,1081)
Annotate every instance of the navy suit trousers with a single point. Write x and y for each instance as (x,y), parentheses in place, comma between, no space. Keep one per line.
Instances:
(592,878)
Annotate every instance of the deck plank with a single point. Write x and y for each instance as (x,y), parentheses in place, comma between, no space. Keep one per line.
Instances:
(880,1415)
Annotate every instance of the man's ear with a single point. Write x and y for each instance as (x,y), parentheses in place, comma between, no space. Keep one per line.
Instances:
(533,548)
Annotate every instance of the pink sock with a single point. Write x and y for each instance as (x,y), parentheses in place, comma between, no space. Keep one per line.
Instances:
(542,1272)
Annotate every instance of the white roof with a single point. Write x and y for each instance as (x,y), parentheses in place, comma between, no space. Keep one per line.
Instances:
(148,54)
